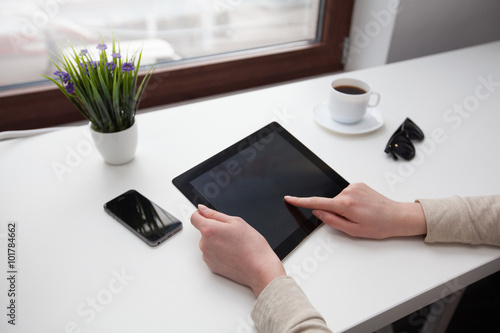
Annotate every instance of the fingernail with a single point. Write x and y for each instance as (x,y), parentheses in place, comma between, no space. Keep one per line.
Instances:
(318,214)
(202,208)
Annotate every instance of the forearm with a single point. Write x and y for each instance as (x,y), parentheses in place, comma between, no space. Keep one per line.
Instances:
(411,220)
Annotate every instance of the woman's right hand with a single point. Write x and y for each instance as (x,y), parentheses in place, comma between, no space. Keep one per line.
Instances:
(361,211)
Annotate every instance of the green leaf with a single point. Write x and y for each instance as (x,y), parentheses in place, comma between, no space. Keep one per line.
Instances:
(109,99)
(142,88)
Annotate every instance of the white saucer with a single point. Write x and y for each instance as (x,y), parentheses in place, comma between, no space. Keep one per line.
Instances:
(370,122)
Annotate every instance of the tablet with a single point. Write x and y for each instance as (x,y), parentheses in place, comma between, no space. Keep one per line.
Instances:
(250,178)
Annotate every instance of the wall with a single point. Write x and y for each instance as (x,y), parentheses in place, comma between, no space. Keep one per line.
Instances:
(371,33)
(426,27)
(385,31)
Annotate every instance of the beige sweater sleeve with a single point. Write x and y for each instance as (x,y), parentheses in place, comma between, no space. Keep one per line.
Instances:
(471,220)
(283,307)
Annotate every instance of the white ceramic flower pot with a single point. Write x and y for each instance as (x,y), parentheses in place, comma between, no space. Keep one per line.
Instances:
(116,148)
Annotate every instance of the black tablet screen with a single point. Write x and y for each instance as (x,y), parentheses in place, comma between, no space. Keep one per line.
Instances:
(251,182)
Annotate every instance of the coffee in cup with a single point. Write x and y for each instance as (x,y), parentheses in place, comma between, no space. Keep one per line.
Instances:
(349,98)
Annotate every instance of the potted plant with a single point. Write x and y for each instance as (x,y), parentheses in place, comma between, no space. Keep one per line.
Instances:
(106,92)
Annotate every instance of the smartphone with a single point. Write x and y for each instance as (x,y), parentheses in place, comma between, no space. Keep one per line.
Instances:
(144,218)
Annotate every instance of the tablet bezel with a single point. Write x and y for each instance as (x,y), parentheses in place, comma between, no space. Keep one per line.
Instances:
(183,181)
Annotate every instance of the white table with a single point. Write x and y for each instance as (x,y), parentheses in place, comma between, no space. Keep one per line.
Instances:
(80,271)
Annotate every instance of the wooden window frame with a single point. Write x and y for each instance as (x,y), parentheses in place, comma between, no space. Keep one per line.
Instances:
(47,106)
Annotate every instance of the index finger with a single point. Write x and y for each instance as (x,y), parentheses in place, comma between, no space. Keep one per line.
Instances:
(311,202)
(213,214)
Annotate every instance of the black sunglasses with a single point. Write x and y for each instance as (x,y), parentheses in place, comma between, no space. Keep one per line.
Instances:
(400,142)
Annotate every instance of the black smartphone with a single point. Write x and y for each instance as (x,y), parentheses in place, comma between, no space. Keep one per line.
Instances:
(144,218)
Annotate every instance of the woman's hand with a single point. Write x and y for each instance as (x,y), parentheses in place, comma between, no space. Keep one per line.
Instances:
(360,211)
(232,248)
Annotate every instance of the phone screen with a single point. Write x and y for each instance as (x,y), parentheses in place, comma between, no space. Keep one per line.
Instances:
(143,217)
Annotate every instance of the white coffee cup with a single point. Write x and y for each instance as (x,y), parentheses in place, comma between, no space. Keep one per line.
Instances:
(349,98)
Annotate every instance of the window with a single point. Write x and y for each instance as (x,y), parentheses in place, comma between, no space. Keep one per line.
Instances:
(206,47)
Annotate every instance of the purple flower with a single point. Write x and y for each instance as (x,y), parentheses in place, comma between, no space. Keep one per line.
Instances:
(102,46)
(70,88)
(83,52)
(84,66)
(89,64)
(63,75)
(116,55)
(111,66)
(127,67)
